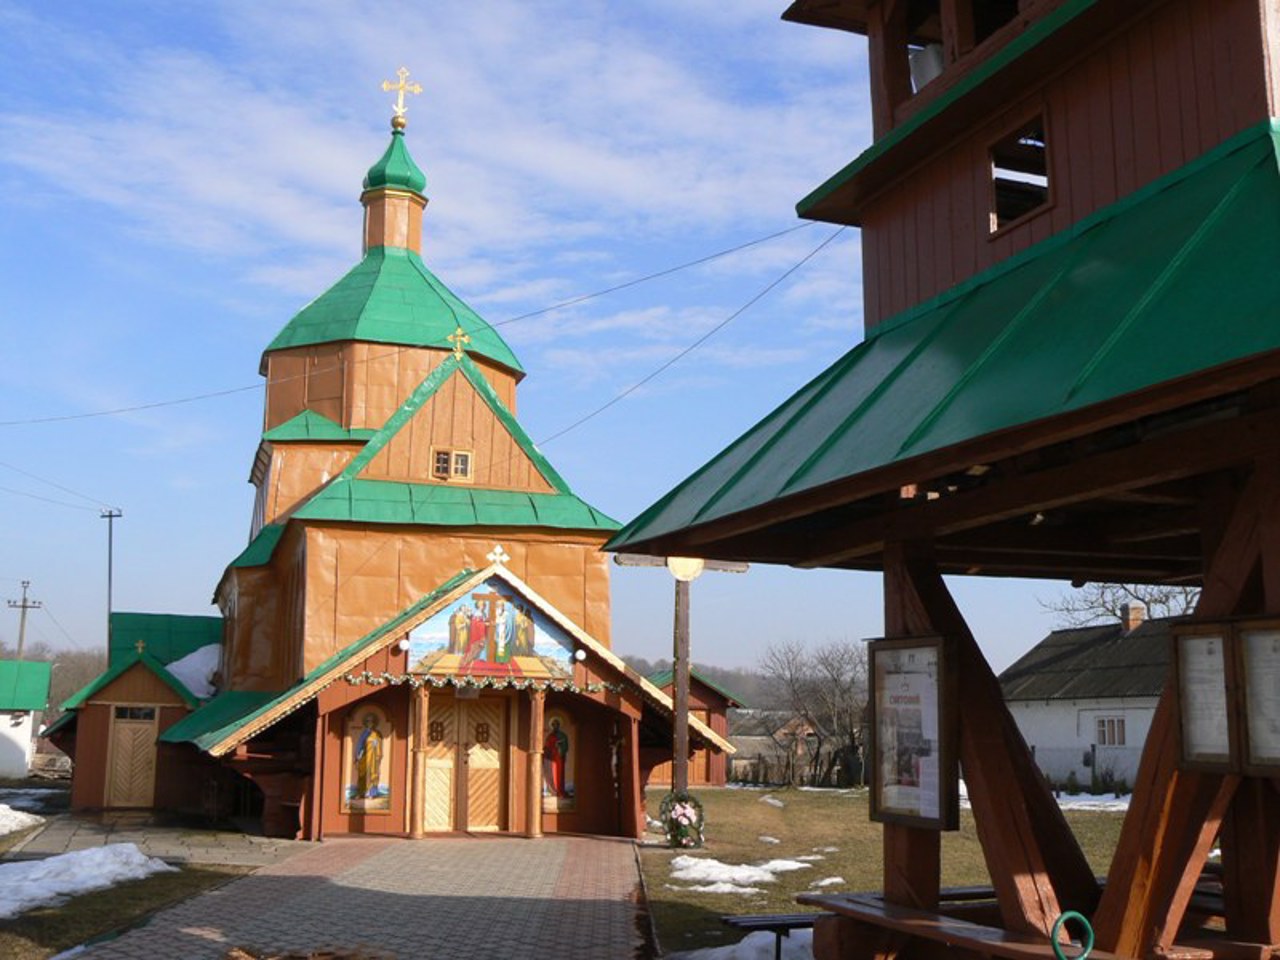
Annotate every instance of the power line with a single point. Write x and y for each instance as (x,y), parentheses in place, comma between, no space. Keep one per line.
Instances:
(697,343)
(57,623)
(36,496)
(58,486)
(214,394)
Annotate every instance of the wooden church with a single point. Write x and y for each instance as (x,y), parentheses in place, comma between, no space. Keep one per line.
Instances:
(1070,223)
(416,638)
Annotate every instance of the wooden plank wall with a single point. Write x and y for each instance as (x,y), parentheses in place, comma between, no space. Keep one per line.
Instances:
(1142,104)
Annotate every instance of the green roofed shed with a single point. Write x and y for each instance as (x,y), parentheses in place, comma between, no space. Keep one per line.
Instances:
(24,684)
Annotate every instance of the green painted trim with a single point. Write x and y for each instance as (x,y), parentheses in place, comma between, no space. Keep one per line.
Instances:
(664,677)
(65,720)
(218,718)
(312,426)
(1032,37)
(261,548)
(412,404)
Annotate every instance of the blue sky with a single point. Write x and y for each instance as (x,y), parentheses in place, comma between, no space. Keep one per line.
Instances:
(180,178)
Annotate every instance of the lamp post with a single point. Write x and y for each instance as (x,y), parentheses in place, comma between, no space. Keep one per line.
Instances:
(685,570)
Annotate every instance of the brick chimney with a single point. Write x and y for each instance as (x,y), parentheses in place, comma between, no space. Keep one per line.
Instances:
(1131,615)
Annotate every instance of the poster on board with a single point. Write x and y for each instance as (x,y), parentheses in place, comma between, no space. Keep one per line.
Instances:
(914,778)
(1204,711)
(1261,661)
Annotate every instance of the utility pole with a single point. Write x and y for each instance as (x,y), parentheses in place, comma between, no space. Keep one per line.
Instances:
(24,605)
(110,516)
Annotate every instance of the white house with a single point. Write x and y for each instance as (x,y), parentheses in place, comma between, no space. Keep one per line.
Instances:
(24,694)
(1084,698)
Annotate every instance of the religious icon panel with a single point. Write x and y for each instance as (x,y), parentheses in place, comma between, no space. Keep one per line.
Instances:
(559,763)
(367,761)
(491,632)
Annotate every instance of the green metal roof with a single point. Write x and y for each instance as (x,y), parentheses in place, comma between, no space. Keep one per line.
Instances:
(261,547)
(122,665)
(662,678)
(349,497)
(1174,280)
(24,684)
(391,297)
(1014,50)
(385,501)
(166,637)
(309,425)
(395,168)
(228,712)
(218,718)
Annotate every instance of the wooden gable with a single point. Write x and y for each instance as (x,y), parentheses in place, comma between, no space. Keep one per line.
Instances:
(457,419)
(138,685)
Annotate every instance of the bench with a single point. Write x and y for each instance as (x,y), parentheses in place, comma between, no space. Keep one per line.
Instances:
(779,924)
(952,932)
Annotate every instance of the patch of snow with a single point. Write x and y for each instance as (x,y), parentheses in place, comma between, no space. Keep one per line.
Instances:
(720,887)
(828,882)
(827,849)
(196,670)
(812,856)
(651,823)
(772,801)
(745,786)
(839,791)
(1089,801)
(68,954)
(756,946)
(34,883)
(768,839)
(13,820)
(707,870)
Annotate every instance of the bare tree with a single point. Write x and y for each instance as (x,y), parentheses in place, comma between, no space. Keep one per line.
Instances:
(825,690)
(1097,602)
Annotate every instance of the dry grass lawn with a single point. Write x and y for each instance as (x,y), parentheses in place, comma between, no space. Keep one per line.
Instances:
(832,828)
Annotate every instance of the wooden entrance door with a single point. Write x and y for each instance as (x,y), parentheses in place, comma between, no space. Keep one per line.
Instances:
(131,757)
(465,774)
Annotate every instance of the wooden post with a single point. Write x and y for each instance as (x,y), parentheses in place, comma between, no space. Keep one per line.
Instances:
(534,806)
(420,707)
(680,758)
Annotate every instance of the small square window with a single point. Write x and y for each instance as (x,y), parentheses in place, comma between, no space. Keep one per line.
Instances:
(462,464)
(442,464)
(1019,174)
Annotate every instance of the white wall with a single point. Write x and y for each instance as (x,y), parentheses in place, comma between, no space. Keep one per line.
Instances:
(1063,733)
(16,744)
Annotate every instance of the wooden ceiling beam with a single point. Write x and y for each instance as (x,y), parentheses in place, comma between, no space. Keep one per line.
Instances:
(1197,450)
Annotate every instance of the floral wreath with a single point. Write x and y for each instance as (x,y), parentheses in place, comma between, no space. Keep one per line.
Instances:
(682,819)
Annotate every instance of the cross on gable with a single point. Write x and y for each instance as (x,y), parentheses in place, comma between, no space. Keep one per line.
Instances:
(140,645)
(459,339)
(498,555)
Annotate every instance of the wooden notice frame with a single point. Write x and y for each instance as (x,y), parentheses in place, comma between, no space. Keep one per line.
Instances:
(1258,670)
(914,776)
(1204,684)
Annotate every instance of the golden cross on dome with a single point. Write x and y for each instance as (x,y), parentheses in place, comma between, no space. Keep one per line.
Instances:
(459,339)
(401,89)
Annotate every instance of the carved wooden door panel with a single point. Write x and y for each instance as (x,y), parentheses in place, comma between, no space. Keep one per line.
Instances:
(484,755)
(439,775)
(131,759)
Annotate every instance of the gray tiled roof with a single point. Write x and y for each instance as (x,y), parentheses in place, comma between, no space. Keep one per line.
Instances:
(1089,662)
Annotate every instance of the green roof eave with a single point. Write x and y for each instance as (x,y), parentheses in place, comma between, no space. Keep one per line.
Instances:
(981,73)
(312,426)
(664,677)
(122,666)
(391,297)
(1134,284)
(24,684)
(260,548)
(354,500)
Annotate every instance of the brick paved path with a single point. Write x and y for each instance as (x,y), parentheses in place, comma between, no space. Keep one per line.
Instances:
(464,899)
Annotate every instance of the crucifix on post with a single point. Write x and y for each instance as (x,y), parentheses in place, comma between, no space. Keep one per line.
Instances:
(685,570)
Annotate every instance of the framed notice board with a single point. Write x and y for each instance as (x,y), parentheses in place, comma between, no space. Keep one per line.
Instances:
(1258,658)
(1204,676)
(914,779)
